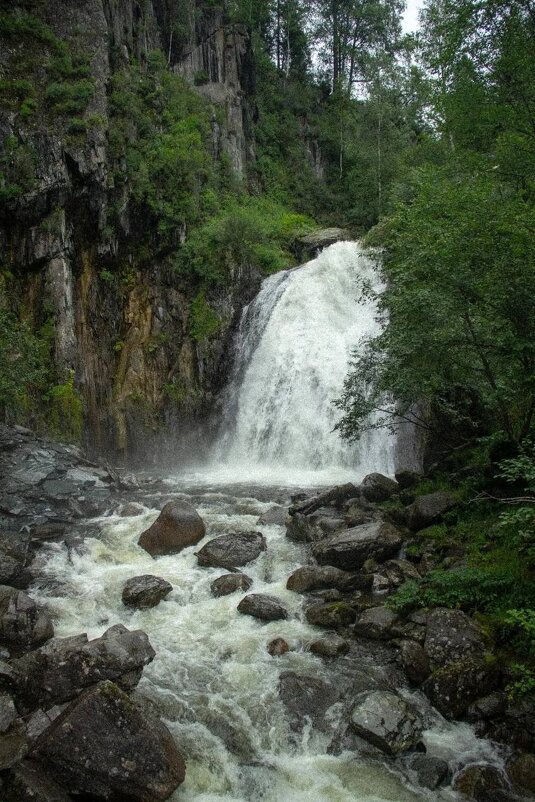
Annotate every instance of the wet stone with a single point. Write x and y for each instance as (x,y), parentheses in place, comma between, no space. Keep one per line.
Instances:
(387,721)
(430,771)
(230,583)
(266,608)
(277,647)
(232,551)
(331,646)
(143,592)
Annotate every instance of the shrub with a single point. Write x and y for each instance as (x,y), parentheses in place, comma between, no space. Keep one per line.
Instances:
(203,320)
(66,411)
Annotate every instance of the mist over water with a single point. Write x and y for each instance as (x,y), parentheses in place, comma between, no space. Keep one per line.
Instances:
(292,355)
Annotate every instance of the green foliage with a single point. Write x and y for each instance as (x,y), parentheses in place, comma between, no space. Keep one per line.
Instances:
(257,232)
(203,320)
(483,589)
(523,683)
(70,98)
(22,361)
(457,309)
(17,166)
(65,412)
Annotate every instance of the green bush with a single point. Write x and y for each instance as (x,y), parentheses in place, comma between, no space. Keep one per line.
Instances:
(66,411)
(22,362)
(203,320)
(470,589)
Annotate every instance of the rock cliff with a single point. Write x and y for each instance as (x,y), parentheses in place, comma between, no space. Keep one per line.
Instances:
(81,260)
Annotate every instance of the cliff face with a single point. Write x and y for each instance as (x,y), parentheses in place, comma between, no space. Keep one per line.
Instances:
(126,334)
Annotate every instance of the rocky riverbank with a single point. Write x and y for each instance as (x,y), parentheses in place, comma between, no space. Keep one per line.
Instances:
(384,677)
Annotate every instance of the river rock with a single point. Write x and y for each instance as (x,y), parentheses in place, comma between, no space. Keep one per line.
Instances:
(330,646)
(481,782)
(521,771)
(60,670)
(230,583)
(386,721)
(306,698)
(430,771)
(259,605)
(145,591)
(232,551)
(274,516)
(415,661)
(488,707)
(23,625)
(27,782)
(8,714)
(131,510)
(452,688)
(376,623)
(376,487)
(337,614)
(277,647)
(302,529)
(134,756)
(350,549)
(407,479)
(319,577)
(312,243)
(14,547)
(400,571)
(452,636)
(178,526)
(429,509)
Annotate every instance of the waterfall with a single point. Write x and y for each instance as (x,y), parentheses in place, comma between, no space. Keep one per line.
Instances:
(292,355)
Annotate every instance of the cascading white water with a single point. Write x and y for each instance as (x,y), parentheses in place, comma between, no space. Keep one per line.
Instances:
(292,356)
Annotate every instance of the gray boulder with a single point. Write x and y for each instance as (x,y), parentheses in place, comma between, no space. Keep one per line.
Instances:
(415,661)
(178,526)
(230,583)
(407,479)
(521,771)
(27,782)
(232,551)
(105,746)
(350,549)
(14,548)
(400,571)
(306,699)
(145,591)
(23,625)
(430,771)
(320,577)
(60,670)
(274,516)
(259,605)
(452,636)
(488,707)
(336,614)
(482,782)
(453,688)
(429,509)
(376,623)
(386,721)
(330,646)
(131,510)
(376,487)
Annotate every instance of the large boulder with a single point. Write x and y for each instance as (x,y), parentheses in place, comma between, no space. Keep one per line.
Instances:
(306,699)
(430,771)
(320,577)
(333,615)
(350,549)
(27,782)
(145,591)
(415,661)
(452,636)
(232,551)
(105,746)
(453,688)
(376,487)
(23,624)
(230,583)
(14,555)
(521,771)
(330,646)
(376,623)
(387,721)
(178,526)
(60,670)
(482,782)
(259,605)
(429,509)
